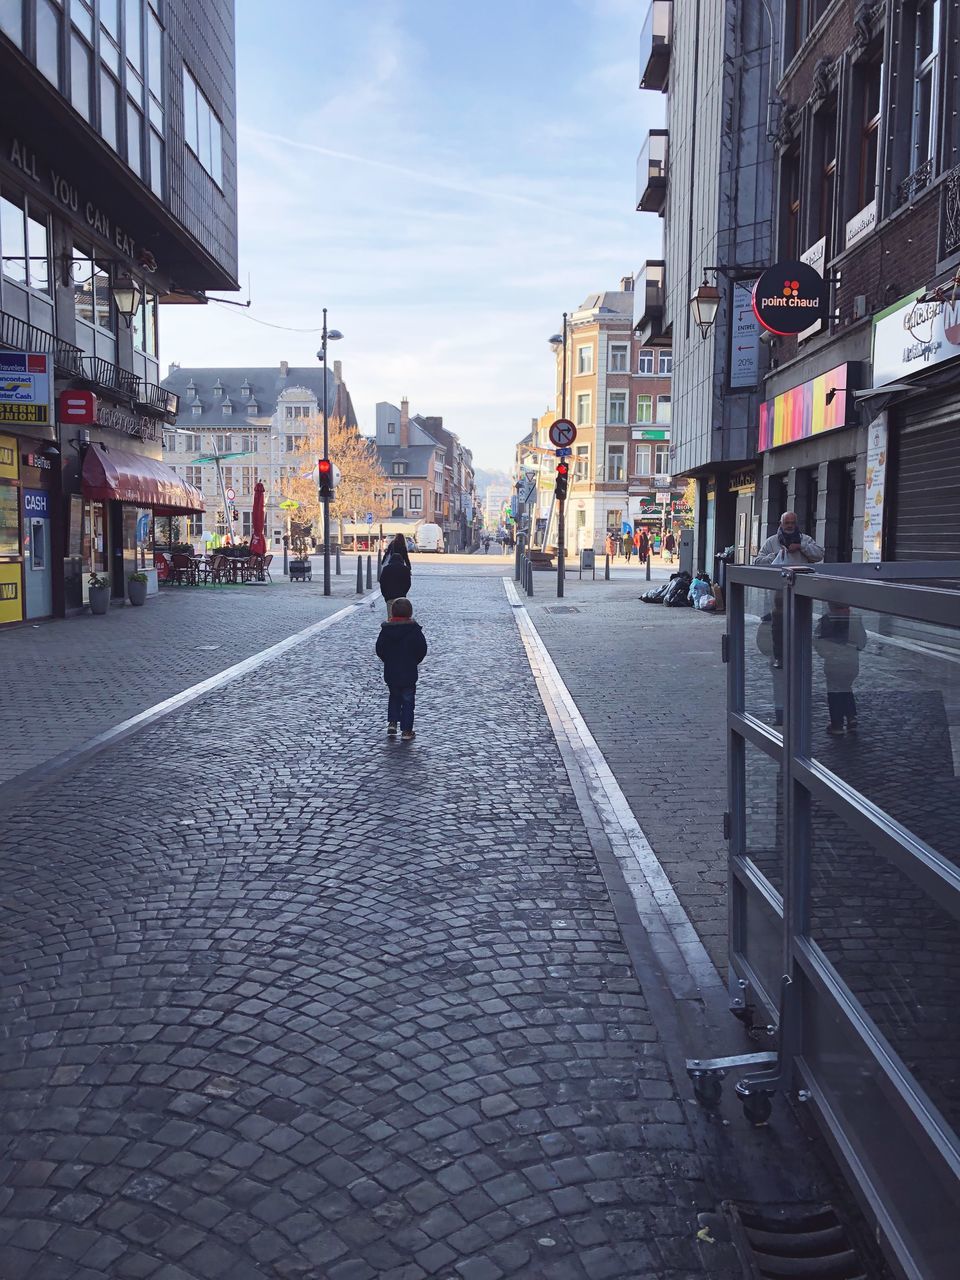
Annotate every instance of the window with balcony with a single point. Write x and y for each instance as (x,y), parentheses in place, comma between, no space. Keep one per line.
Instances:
(642,458)
(615,454)
(584,359)
(619,356)
(644,408)
(583,408)
(666,364)
(617,407)
(202,128)
(93,306)
(663,409)
(581,466)
(645,362)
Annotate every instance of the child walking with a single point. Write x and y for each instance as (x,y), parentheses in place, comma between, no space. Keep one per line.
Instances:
(401,647)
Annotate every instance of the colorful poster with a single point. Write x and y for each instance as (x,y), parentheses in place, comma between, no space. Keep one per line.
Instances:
(874,489)
(806,410)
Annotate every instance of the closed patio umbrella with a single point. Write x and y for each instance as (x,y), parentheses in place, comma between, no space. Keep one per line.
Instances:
(258,543)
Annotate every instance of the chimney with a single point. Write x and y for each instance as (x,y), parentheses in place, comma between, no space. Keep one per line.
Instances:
(337,372)
(284,368)
(626,284)
(404,423)
(174,366)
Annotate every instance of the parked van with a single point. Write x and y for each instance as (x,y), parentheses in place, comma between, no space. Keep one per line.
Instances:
(430,538)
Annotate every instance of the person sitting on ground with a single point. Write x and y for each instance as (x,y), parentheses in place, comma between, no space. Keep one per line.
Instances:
(395,575)
(788,546)
(401,647)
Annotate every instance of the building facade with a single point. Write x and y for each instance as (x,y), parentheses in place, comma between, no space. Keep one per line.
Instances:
(710,175)
(868,192)
(259,417)
(117,194)
(431,474)
(619,395)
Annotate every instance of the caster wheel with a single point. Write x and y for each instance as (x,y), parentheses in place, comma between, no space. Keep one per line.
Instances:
(707,1091)
(757,1108)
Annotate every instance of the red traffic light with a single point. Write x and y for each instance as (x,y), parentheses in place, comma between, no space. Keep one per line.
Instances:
(325,466)
(563,468)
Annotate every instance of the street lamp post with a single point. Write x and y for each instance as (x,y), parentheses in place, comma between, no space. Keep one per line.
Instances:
(329,335)
(562,502)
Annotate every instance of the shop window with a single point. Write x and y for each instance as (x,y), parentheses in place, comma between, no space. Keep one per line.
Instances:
(49,26)
(11,20)
(645,362)
(81,75)
(644,408)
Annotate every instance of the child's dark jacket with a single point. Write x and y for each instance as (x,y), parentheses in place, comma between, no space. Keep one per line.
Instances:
(401,646)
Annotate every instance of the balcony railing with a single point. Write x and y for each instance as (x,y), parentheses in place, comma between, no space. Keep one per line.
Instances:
(101,373)
(149,396)
(652,172)
(656,40)
(915,183)
(649,292)
(20,336)
(950,215)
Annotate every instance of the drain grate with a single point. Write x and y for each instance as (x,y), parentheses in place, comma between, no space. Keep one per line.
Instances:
(562,608)
(793,1241)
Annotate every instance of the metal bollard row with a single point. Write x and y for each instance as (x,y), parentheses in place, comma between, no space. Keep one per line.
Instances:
(359,575)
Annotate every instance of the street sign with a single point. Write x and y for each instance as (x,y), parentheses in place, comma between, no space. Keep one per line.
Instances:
(25,388)
(369,517)
(563,453)
(231,494)
(526,489)
(744,339)
(78,408)
(562,433)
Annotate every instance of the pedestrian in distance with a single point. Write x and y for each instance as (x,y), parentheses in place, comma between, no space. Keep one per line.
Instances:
(395,578)
(627,546)
(669,546)
(788,546)
(644,547)
(636,543)
(608,546)
(401,647)
(838,638)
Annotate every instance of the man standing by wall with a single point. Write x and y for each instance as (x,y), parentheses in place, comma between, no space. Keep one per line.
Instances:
(788,546)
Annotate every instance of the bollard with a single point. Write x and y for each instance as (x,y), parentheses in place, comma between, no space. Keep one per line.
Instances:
(338,559)
(606,568)
(379,561)
(369,573)
(518,559)
(649,558)
(359,575)
(529,578)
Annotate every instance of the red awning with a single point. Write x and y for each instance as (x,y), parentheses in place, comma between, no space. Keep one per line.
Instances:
(114,475)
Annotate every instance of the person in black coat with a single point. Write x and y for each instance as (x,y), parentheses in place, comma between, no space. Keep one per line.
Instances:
(395,573)
(401,647)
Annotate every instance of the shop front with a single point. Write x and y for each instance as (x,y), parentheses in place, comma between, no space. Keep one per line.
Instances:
(912,507)
(743,485)
(810,453)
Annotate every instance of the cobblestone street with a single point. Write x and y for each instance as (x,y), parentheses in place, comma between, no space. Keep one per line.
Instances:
(285,998)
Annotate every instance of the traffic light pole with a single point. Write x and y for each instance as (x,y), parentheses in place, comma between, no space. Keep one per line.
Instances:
(561,546)
(326,454)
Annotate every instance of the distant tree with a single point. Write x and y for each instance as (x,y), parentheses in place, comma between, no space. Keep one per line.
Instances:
(363,484)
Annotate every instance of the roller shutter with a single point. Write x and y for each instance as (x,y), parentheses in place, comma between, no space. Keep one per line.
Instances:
(925,485)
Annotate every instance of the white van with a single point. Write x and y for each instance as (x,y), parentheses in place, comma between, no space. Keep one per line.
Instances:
(430,538)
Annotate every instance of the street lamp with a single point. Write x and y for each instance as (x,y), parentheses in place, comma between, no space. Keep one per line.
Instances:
(127,296)
(329,335)
(705,304)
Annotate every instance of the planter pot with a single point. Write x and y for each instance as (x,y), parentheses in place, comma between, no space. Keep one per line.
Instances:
(137,592)
(99,599)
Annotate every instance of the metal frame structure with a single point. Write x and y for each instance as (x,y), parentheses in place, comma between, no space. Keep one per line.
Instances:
(898,1148)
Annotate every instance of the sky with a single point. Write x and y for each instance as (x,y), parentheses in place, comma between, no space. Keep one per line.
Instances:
(445,178)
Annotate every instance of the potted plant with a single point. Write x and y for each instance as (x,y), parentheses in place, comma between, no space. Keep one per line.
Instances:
(98,590)
(137,588)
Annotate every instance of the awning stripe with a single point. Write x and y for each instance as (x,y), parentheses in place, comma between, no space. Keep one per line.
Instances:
(115,475)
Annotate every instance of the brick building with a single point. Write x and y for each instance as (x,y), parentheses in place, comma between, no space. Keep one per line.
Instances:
(868,192)
(619,395)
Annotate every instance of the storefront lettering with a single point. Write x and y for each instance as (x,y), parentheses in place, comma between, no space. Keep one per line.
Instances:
(70,197)
(130,424)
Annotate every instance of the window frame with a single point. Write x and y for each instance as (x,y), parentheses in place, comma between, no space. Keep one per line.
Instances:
(620,398)
(616,453)
(642,357)
(644,396)
(584,416)
(585,360)
(619,351)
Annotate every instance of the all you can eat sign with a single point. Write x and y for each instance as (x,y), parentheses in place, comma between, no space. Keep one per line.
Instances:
(790,297)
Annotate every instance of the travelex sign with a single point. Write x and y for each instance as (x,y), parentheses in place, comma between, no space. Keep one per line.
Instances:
(912,335)
(790,297)
(25,388)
